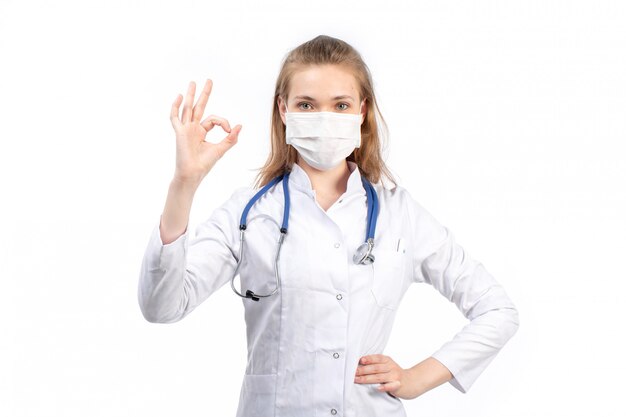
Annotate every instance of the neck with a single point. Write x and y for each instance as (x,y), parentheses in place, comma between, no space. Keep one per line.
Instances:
(332,182)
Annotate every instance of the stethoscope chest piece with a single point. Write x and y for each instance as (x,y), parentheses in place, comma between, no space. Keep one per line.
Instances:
(363,254)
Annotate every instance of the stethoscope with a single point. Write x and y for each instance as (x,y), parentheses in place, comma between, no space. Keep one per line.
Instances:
(362,256)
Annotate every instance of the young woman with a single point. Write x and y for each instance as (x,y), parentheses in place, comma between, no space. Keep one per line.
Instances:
(324,252)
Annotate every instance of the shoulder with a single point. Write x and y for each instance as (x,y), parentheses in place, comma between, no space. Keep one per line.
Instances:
(232,206)
(395,197)
(408,209)
(244,193)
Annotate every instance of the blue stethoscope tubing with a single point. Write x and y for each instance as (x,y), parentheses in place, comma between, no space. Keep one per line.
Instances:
(362,256)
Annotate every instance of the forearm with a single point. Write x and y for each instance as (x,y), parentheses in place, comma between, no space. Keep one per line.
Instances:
(426,375)
(175,217)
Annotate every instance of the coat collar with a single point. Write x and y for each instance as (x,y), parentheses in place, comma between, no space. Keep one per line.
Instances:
(300,180)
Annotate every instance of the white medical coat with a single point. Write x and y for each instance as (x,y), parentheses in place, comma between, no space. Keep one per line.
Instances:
(304,342)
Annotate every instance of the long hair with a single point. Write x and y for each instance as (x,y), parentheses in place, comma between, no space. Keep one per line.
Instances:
(328,50)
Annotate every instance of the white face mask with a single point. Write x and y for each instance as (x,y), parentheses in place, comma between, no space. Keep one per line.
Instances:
(323,139)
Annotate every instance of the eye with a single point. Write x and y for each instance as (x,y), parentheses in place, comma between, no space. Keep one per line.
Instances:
(344,104)
(301,103)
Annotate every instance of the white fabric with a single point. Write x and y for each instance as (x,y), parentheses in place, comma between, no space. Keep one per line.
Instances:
(304,342)
(323,139)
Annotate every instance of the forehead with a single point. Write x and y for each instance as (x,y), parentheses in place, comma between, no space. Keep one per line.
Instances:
(323,82)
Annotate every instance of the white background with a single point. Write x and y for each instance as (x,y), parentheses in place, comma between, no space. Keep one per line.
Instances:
(506,122)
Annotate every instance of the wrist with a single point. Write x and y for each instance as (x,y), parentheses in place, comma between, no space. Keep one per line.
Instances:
(416,380)
(185,184)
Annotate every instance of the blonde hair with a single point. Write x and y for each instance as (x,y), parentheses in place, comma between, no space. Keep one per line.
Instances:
(327,50)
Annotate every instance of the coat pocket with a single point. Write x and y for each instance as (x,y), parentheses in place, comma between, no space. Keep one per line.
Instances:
(388,269)
(258,394)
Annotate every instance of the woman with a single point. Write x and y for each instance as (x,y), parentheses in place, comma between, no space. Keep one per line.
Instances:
(319,317)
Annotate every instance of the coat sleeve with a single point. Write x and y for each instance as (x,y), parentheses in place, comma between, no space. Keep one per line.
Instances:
(176,277)
(440,261)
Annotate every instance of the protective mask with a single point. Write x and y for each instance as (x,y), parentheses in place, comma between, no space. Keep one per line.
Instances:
(323,139)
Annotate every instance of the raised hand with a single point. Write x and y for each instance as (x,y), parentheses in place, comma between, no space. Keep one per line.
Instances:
(194,155)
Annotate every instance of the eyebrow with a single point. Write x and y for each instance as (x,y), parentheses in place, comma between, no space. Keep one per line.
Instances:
(343,97)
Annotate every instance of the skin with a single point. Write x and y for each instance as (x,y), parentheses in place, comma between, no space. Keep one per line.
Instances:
(195,157)
(402,383)
(323,83)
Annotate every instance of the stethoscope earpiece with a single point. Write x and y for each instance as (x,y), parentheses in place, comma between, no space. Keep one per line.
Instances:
(250,294)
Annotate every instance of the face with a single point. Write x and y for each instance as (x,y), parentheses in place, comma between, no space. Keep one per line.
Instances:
(323,88)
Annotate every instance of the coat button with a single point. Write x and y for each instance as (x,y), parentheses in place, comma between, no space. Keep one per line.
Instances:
(339,296)
(335,355)
(333,411)
(337,244)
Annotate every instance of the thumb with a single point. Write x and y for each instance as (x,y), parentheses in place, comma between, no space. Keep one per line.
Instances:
(232,138)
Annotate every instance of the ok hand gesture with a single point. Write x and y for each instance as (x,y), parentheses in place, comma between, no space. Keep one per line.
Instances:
(194,156)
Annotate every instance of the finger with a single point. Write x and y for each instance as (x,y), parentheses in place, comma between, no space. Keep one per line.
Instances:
(213,120)
(389,386)
(187,110)
(373,378)
(198,109)
(375,358)
(175,111)
(372,369)
(230,140)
